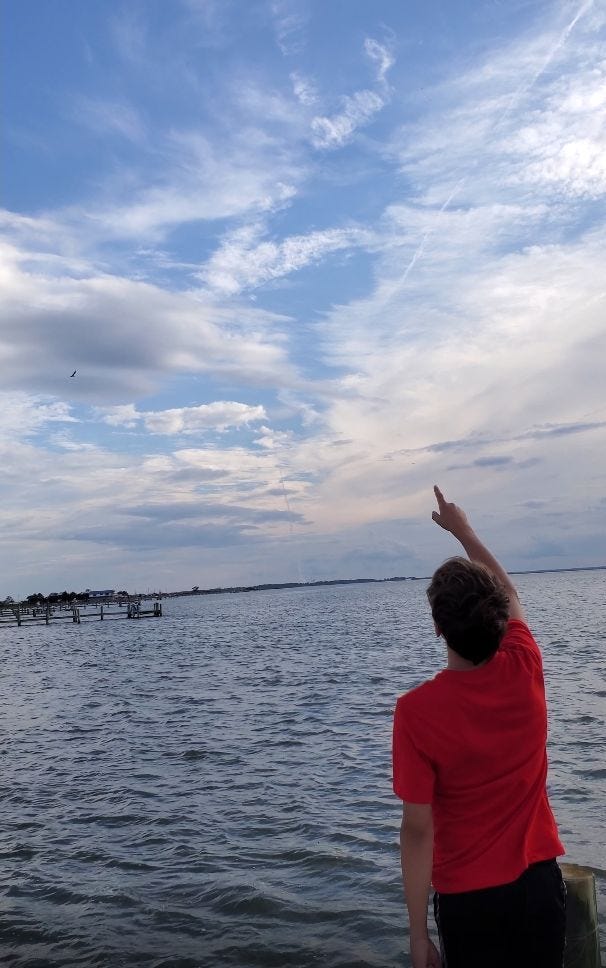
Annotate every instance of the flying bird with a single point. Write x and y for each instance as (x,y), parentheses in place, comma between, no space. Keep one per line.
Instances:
(73,374)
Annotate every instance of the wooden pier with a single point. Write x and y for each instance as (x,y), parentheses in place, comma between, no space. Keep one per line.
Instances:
(18,615)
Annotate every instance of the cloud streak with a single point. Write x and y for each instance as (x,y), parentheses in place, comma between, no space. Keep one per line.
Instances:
(245,261)
(220,416)
(330,132)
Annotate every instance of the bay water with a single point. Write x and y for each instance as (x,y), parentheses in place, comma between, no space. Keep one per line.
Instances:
(213,788)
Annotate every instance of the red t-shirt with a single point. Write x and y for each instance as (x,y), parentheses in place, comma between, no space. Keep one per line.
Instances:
(473,744)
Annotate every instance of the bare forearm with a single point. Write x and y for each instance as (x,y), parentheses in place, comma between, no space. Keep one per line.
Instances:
(417,857)
(476,550)
(453,519)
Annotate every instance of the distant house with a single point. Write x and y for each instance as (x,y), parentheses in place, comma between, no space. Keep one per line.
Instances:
(103,593)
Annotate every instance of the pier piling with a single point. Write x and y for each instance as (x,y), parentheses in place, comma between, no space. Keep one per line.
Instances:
(582,934)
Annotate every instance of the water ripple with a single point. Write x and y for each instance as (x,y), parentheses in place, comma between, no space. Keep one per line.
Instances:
(214,789)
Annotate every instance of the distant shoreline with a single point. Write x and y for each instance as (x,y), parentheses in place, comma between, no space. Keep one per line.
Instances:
(276,586)
(55,600)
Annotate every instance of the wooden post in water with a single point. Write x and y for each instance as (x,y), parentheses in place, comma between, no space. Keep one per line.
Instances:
(582,935)
(102,613)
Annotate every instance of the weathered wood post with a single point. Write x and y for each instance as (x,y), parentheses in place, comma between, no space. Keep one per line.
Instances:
(102,613)
(47,614)
(582,935)
(18,614)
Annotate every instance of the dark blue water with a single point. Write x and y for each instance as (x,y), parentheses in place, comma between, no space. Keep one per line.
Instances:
(214,787)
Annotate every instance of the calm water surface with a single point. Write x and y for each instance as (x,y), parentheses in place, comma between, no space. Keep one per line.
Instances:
(214,788)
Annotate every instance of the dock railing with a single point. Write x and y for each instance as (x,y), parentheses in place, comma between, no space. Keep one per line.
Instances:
(18,614)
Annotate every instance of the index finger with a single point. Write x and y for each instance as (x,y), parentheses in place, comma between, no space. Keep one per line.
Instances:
(439,496)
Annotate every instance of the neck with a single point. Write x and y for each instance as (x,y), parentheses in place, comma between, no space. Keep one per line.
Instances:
(457,663)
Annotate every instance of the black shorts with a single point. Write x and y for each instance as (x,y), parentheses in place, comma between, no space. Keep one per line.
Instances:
(516,925)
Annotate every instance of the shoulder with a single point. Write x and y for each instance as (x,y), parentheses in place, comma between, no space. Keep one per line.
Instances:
(419,697)
(517,632)
(518,636)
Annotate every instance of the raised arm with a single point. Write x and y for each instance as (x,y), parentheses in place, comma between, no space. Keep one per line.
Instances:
(453,519)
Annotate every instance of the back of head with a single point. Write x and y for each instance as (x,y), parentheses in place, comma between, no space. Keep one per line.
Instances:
(470,608)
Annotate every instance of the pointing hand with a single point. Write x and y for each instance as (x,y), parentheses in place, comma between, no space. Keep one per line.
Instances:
(449,516)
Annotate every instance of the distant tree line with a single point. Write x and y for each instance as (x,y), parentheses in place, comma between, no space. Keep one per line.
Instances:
(37,599)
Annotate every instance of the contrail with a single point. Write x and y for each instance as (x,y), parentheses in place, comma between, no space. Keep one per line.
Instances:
(560,42)
(583,9)
(421,247)
(519,93)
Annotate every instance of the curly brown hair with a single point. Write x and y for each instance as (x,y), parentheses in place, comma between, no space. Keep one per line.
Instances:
(470,608)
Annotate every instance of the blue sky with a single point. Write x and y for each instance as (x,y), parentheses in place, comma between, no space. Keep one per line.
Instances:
(307,258)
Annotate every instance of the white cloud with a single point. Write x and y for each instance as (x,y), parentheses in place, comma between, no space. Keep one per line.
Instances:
(519,343)
(122,336)
(334,131)
(244,262)
(486,318)
(124,415)
(207,181)
(337,130)
(530,114)
(34,227)
(475,357)
(23,415)
(290,22)
(84,512)
(65,441)
(380,55)
(219,416)
(304,89)
(270,439)
(562,149)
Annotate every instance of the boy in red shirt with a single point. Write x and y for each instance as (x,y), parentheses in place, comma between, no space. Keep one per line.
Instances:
(470,764)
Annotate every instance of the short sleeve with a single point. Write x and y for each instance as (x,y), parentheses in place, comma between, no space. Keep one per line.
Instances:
(413,773)
(519,636)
